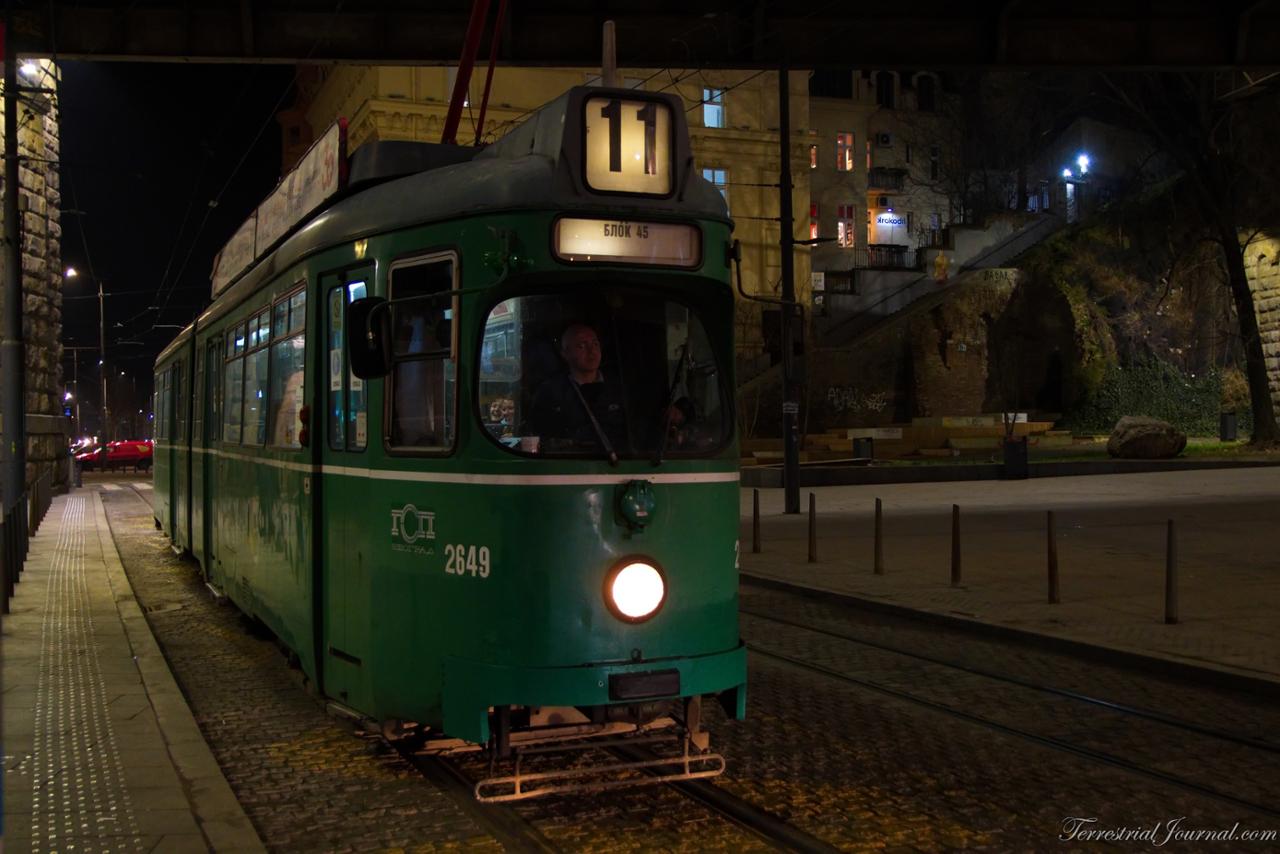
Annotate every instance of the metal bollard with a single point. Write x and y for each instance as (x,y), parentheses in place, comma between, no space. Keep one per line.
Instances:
(1054,597)
(879,565)
(955,545)
(755,521)
(813,528)
(1171,577)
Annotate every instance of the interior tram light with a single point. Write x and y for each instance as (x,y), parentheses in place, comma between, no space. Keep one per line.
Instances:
(635,590)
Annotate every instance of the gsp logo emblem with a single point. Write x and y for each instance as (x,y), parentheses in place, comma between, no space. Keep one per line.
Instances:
(411,524)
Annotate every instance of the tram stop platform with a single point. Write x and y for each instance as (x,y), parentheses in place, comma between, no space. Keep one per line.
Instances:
(101,751)
(1111,538)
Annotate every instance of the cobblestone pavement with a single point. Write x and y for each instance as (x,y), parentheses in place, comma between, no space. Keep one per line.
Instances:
(860,770)
(867,771)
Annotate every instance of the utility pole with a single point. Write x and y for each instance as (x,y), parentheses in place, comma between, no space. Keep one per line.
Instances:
(102,368)
(790,405)
(12,359)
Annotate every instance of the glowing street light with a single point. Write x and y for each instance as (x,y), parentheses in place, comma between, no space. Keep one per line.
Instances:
(71,273)
(1083,162)
(1066,173)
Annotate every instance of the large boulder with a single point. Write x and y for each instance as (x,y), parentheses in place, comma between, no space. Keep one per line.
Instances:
(1137,437)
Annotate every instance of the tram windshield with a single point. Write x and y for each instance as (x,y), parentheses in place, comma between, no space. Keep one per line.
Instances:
(616,373)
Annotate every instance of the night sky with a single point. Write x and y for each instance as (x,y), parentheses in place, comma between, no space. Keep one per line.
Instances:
(146,147)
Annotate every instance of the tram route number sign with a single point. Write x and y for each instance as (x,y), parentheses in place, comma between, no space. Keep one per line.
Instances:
(629,242)
(628,146)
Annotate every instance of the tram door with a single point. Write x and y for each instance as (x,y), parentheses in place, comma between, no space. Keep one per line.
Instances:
(177,425)
(210,420)
(344,497)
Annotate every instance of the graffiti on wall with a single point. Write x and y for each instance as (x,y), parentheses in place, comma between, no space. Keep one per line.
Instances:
(847,399)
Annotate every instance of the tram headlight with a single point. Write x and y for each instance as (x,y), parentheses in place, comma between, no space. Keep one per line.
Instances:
(635,590)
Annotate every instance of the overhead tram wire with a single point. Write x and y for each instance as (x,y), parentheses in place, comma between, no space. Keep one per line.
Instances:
(213,203)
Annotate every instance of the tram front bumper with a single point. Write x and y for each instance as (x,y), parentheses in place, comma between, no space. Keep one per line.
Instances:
(472,687)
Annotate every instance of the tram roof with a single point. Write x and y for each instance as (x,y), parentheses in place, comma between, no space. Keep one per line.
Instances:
(535,167)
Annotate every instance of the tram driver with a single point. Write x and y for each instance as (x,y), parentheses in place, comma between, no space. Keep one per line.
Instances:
(573,409)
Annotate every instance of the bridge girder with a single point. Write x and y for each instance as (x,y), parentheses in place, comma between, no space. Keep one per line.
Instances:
(669,33)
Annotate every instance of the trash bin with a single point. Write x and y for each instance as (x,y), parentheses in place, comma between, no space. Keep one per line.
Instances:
(1227,422)
(864,448)
(1016,464)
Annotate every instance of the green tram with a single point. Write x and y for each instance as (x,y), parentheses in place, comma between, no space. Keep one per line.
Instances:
(463,435)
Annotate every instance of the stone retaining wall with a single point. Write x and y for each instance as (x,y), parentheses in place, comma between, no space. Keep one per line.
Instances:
(39,203)
(1262,263)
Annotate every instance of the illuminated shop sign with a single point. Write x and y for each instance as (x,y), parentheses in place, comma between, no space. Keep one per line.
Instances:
(627,241)
(628,146)
(895,220)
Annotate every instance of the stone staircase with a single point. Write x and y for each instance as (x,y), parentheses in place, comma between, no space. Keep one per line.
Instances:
(902,298)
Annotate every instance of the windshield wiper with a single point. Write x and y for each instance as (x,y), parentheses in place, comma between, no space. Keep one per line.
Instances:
(680,373)
(600,434)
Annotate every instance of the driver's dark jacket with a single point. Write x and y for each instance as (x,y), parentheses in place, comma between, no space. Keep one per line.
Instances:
(557,413)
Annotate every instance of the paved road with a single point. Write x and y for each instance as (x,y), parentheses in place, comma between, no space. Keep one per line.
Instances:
(847,763)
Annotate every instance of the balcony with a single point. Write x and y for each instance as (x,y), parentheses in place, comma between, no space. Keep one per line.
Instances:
(889,256)
(881,178)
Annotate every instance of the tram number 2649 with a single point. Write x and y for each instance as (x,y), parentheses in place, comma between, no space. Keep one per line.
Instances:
(466,560)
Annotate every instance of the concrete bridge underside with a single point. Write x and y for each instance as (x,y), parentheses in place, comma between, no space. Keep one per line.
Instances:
(659,33)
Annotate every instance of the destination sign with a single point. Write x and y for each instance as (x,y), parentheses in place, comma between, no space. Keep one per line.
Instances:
(628,146)
(625,241)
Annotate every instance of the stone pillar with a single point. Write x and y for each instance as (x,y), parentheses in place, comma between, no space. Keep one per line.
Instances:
(39,202)
(1262,263)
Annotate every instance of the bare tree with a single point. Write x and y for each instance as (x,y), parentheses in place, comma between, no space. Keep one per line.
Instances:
(994,125)
(1219,129)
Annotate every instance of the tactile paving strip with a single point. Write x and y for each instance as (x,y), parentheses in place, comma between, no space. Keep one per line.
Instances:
(79,800)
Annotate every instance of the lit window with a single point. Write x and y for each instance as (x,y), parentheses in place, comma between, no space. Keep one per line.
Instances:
(844,226)
(813,221)
(713,108)
(868,153)
(813,156)
(719,178)
(844,152)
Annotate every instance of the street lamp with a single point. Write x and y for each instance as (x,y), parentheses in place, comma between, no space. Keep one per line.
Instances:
(71,273)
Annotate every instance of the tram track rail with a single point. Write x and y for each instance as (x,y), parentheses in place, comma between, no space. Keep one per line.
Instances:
(1059,744)
(504,824)
(759,822)
(1111,705)
(516,833)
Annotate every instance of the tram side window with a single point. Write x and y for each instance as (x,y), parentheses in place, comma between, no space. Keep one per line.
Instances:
(348,400)
(255,380)
(288,368)
(162,405)
(423,374)
(175,400)
(233,388)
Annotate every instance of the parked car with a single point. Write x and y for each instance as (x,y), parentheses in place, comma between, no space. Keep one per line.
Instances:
(129,453)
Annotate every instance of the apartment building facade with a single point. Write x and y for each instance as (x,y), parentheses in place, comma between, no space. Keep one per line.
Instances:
(877,165)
